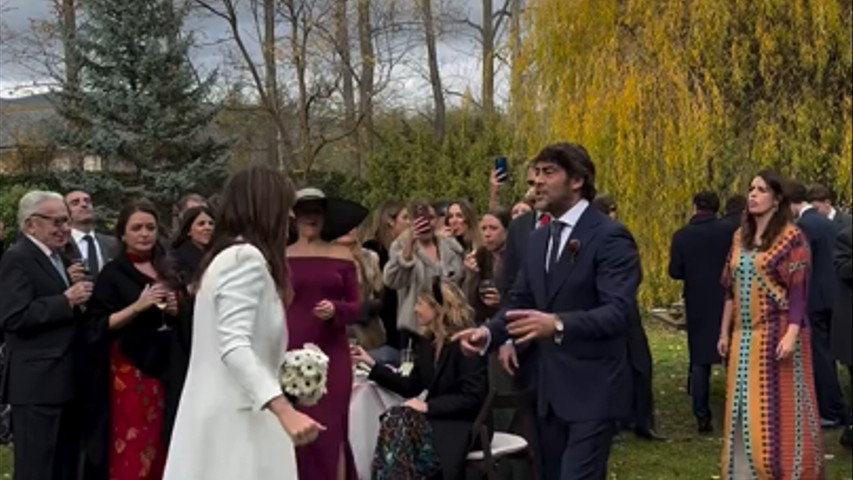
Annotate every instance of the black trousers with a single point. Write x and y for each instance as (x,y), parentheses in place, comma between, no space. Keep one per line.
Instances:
(47,441)
(700,388)
(830,400)
(640,361)
(576,450)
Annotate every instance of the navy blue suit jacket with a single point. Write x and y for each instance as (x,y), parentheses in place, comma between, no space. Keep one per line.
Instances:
(822,234)
(697,256)
(586,377)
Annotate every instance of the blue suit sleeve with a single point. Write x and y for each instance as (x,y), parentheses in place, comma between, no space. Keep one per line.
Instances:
(520,297)
(617,277)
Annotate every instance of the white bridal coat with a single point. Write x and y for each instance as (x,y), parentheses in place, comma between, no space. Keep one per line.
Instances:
(239,339)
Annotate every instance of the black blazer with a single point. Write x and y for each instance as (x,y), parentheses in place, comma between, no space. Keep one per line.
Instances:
(42,331)
(821,233)
(457,386)
(697,256)
(842,314)
(514,251)
(593,291)
(187,261)
(842,220)
(516,244)
(141,342)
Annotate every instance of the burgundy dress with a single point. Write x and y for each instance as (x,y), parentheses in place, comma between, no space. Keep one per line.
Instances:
(315,279)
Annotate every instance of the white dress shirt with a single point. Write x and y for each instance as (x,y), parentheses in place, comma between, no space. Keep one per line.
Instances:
(569,220)
(832,213)
(44,248)
(83,246)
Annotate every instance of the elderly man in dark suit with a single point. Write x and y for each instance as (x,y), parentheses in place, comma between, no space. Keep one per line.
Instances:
(574,296)
(823,199)
(93,250)
(822,234)
(40,318)
(842,315)
(697,255)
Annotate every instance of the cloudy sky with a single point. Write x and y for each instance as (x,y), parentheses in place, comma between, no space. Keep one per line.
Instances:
(459,53)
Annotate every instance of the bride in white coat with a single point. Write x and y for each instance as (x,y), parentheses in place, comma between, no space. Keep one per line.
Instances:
(233,422)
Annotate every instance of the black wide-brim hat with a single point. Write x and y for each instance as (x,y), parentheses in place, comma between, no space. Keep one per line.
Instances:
(341,216)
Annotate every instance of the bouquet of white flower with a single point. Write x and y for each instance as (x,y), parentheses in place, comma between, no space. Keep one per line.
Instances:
(304,374)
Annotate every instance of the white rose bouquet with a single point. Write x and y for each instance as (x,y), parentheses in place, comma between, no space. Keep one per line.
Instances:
(304,374)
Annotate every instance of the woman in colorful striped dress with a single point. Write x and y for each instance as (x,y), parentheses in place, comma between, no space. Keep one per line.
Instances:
(772,428)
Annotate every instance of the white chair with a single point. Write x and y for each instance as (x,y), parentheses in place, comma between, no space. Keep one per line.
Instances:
(487,454)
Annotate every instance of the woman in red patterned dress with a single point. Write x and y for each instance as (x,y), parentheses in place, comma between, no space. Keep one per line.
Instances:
(135,299)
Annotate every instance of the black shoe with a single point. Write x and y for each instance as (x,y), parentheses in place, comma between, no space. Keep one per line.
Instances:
(705,426)
(649,434)
(847,437)
(830,423)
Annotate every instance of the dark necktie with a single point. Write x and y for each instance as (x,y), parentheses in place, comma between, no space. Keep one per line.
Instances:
(91,255)
(556,227)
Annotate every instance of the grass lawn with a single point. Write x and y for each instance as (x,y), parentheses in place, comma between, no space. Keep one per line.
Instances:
(686,455)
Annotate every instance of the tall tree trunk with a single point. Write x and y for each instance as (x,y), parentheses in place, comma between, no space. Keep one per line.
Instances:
(298,51)
(515,52)
(366,86)
(488,60)
(274,157)
(68,20)
(69,36)
(434,74)
(343,47)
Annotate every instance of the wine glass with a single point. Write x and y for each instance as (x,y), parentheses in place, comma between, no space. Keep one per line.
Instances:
(407,360)
(78,260)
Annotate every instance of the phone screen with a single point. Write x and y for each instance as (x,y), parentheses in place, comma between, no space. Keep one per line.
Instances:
(422,214)
(502,166)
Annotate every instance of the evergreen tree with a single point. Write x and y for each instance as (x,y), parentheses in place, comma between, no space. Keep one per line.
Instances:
(140,105)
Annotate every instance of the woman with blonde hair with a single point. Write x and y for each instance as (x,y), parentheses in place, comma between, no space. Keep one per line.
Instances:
(439,426)
(392,218)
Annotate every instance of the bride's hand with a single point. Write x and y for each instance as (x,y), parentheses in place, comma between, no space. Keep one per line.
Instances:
(301,428)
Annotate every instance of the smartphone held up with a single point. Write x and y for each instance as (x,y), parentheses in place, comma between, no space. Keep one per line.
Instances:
(502,168)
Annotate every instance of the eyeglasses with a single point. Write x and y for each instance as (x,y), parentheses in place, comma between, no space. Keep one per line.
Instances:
(57,221)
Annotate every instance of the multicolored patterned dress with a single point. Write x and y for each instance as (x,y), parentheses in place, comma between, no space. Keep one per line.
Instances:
(772,423)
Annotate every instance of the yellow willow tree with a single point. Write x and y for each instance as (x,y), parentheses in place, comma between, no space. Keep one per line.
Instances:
(675,96)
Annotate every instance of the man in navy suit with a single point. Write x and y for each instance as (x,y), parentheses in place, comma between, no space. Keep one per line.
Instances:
(823,200)
(574,296)
(697,255)
(822,234)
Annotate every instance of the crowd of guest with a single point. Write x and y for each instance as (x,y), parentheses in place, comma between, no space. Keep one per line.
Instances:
(115,342)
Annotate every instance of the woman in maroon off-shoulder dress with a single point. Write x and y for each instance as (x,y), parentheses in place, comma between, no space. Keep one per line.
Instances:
(325,300)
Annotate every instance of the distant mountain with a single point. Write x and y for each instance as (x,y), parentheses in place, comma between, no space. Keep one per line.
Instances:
(26,119)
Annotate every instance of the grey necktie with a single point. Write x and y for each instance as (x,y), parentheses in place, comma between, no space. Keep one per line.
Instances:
(91,255)
(60,268)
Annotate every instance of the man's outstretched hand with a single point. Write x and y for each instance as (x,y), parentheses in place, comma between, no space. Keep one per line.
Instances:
(473,340)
